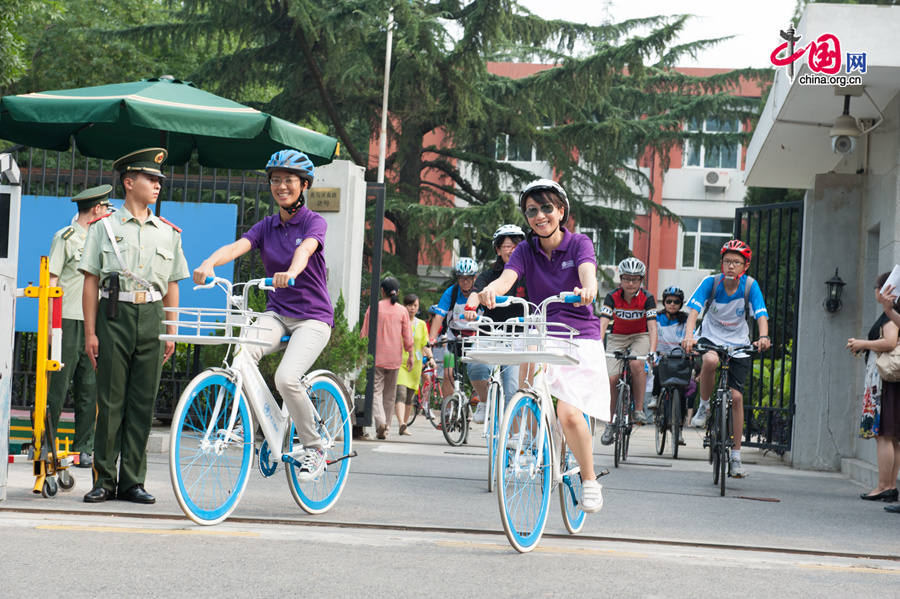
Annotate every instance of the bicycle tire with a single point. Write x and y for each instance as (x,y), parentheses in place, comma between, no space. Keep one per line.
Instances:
(492,425)
(454,419)
(628,424)
(523,486)
(209,478)
(619,425)
(675,420)
(571,490)
(414,409)
(433,406)
(319,495)
(724,449)
(662,420)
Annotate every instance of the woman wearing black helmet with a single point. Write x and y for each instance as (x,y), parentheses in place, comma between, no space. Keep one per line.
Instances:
(291,244)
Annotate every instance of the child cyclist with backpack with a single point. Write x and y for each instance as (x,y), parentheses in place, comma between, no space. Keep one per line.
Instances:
(731,297)
(449,320)
(670,326)
(553,260)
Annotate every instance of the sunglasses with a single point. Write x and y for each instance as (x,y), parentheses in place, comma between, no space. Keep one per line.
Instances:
(532,211)
(672,301)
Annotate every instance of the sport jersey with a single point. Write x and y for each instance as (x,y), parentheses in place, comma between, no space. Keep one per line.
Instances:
(669,331)
(453,315)
(629,317)
(725,322)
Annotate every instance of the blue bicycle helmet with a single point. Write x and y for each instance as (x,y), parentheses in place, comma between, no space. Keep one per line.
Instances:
(466,267)
(294,161)
(673,291)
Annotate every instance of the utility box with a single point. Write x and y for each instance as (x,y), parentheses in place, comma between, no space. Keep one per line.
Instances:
(10,201)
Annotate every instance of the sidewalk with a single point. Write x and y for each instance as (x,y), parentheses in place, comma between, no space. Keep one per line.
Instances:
(421,481)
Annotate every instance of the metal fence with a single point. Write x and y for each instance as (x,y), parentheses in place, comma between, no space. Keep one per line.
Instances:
(775,233)
(67,173)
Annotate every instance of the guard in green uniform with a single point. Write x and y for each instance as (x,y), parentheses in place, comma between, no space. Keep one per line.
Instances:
(77,373)
(134,259)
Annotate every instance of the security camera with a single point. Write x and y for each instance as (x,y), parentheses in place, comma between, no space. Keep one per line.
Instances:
(844,133)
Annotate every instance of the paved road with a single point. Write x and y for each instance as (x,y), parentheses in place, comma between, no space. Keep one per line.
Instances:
(416,519)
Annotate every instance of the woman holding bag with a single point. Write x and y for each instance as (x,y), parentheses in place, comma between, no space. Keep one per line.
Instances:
(885,395)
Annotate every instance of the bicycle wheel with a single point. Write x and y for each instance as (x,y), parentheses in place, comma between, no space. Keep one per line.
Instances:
(319,495)
(209,475)
(675,419)
(414,408)
(523,484)
(618,425)
(626,430)
(491,426)
(662,420)
(724,448)
(570,493)
(433,406)
(454,419)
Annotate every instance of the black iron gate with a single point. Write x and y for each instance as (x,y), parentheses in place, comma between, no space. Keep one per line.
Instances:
(66,173)
(775,233)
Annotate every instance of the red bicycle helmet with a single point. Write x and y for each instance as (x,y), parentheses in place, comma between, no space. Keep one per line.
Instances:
(739,247)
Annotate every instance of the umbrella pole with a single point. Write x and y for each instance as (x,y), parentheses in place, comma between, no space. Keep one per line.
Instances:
(164,141)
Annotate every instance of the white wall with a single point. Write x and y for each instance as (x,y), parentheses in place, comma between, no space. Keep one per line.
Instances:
(346,228)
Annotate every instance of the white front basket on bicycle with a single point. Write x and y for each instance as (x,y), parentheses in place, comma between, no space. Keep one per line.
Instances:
(516,342)
(215,326)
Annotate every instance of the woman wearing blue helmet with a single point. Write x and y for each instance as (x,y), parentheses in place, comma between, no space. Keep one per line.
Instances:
(291,244)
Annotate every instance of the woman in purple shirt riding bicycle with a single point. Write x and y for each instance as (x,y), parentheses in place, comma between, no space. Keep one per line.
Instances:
(291,244)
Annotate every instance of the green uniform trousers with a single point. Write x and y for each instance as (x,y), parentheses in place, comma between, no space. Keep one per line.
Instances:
(77,374)
(128,370)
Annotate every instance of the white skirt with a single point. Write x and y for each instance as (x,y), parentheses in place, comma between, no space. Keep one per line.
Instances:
(584,385)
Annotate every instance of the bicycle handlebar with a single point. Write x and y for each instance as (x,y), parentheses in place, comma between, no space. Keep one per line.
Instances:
(628,356)
(723,351)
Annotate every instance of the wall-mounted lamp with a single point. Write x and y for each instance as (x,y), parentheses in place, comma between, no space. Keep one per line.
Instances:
(835,287)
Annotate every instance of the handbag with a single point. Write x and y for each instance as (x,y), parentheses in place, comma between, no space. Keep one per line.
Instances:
(888,364)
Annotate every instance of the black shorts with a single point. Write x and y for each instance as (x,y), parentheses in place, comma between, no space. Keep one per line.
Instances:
(738,370)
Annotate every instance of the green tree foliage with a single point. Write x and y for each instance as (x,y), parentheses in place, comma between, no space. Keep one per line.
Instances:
(90,42)
(612,97)
(15,18)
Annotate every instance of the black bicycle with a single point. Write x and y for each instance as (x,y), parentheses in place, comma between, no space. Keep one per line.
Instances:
(719,436)
(674,372)
(455,408)
(623,421)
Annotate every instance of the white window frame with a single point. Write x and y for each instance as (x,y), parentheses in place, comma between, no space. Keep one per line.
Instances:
(505,137)
(594,233)
(688,146)
(683,233)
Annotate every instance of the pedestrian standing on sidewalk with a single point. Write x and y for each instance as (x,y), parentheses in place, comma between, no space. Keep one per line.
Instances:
(137,258)
(885,395)
(408,379)
(77,372)
(394,336)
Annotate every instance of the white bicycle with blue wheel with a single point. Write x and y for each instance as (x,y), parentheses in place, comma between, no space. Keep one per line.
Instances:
(212,449)
(531,456)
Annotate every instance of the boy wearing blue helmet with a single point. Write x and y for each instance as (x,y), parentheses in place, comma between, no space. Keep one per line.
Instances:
(450,308)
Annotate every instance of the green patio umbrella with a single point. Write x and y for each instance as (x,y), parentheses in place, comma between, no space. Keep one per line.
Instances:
(108,121)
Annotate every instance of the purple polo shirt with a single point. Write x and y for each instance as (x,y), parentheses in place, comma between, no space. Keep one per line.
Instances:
(277,241)
(549,276)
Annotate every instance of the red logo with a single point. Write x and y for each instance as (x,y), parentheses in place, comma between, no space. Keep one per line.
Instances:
(824,54)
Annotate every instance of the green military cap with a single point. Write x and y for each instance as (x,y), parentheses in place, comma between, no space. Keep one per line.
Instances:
(148,160)
(95,195)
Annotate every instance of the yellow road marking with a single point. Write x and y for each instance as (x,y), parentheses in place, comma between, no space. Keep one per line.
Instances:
(548,549)
(854,569)
(151,531)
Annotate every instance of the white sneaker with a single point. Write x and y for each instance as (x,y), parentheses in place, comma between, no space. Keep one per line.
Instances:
(737,469)
(700,418)
(312,465)
(480,412)
(591,496)
(651,405)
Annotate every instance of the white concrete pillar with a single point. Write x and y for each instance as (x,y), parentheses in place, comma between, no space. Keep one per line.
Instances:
(339,195)
(10,200)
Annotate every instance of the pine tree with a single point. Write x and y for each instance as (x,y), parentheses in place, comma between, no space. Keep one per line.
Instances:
(613,97)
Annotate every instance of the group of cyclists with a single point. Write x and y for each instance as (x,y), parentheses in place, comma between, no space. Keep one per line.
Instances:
(544,262)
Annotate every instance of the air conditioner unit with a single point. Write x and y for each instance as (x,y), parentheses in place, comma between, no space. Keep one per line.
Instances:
(716,181)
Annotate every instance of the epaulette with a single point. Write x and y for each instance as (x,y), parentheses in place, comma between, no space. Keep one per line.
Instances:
(173,225)
(68,232)
(100,218)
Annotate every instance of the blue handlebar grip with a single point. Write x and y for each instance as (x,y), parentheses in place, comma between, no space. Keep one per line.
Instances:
(501,299)
(208,280)
(572,298)
(268,282)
